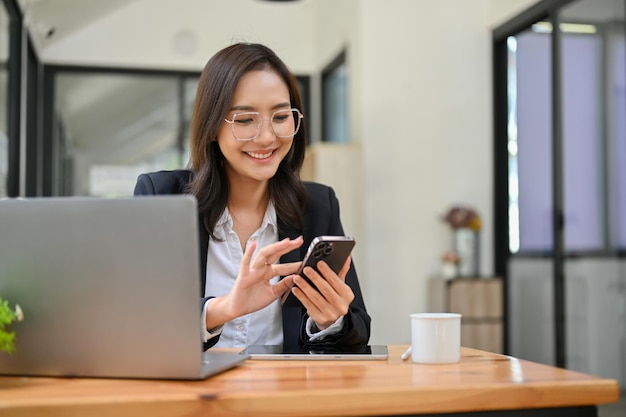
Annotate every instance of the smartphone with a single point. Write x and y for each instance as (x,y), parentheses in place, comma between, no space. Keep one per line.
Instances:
(334,250)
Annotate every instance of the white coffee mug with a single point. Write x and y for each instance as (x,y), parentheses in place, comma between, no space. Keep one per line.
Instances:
(435,337)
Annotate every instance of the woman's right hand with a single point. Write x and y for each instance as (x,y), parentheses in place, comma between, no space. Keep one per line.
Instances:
(253,290)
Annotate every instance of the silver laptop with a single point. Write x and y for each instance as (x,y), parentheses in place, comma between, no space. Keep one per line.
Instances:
(108,287)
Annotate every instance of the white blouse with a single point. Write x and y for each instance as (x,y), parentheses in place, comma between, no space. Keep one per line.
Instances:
(263,327)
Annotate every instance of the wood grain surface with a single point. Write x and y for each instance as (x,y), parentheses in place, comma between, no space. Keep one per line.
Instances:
(482,381)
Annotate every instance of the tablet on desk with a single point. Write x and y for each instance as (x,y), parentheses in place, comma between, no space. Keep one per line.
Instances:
(279,352)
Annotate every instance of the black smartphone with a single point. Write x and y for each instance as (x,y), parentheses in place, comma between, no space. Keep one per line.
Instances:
(334,250)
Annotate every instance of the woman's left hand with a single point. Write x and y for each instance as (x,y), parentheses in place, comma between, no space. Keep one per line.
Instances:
(332,298)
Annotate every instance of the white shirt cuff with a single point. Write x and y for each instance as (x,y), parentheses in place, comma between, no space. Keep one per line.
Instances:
(336,327)
(211,333)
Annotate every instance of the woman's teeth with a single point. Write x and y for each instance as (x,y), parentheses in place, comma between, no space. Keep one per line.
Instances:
(260,155)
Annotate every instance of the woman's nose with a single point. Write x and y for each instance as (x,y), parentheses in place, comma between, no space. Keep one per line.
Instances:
(266,135)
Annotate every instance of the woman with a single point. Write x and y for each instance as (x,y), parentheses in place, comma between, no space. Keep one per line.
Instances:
(257,217)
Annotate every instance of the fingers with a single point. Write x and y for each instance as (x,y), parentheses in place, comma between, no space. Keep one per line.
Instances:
(345,268)
(287,268)
(329,285)
(333,297)
(270,254)
(323,309)
(283,285)
(247,254)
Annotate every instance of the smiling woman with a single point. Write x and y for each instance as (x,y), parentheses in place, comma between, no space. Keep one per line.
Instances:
(263,144)
(247,149)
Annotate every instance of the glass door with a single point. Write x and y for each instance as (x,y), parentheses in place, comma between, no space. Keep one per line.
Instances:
(564,199)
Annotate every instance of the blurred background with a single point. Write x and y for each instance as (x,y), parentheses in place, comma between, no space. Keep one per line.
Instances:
(412,107)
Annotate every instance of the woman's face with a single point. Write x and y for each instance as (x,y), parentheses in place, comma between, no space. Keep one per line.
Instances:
(265,92)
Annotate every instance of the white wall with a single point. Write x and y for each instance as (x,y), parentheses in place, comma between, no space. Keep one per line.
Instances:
(425,120)
(420,106)
(420,102)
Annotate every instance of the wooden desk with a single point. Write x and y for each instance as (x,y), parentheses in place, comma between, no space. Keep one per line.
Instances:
(481,382)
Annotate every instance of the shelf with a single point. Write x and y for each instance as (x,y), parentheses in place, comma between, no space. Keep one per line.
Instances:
(479,300)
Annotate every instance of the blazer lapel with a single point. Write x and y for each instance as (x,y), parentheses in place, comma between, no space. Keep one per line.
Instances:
(295,255)
(292,309)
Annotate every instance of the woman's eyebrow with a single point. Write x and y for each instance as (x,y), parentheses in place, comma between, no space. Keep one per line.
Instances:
(285,104)
(250,108)
(245,108)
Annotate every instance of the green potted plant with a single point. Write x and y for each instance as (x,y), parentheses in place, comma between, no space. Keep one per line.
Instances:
(8,316)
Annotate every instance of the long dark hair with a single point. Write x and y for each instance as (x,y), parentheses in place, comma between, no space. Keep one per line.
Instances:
(217,85)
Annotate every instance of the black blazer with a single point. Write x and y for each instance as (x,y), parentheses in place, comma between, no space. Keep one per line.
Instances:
(321,217)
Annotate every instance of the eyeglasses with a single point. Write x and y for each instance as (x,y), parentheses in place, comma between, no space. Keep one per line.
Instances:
(247,126)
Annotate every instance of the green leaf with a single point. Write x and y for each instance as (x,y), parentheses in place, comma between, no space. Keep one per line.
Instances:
(7,338)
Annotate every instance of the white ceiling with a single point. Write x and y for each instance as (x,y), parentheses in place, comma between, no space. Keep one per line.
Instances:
(52,20)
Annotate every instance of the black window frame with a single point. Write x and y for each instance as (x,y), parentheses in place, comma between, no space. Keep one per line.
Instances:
(546,10)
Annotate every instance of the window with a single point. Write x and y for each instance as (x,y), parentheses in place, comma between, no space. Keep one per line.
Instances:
(560,167)
(110,127)
(616,133)
(586,174)
(335,101)
(530,142)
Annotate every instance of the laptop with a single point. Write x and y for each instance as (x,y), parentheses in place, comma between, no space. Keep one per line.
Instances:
(108,287)
(300,352)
